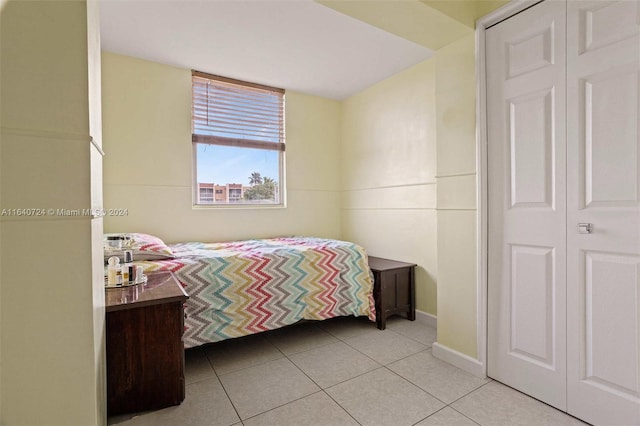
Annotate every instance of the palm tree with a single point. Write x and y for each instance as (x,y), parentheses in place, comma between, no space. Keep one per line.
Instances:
(255,178)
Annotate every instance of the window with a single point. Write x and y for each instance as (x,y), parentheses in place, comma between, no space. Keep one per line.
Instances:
(205,195)
(235,194)
(238,140)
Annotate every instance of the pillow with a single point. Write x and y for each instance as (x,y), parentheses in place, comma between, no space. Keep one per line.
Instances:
(144,247)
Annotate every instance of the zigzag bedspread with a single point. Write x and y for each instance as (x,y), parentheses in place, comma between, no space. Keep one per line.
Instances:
(245,287)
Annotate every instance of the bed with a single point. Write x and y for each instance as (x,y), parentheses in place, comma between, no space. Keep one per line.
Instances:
(246,287)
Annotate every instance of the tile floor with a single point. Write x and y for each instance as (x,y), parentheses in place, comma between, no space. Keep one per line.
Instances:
(340,372)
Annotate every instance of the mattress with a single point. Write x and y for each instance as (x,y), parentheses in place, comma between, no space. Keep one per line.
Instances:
(245,287)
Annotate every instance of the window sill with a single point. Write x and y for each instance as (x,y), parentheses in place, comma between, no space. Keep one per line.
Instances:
(238,206)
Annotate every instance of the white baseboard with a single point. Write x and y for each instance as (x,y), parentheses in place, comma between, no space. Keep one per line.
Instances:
(426,318)
(458,359)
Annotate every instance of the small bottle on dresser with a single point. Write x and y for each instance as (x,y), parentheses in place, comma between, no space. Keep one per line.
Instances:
(125,274)
(112,270)
(128,271)
(118,273)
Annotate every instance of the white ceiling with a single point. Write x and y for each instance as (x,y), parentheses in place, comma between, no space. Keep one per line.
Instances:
(296,45)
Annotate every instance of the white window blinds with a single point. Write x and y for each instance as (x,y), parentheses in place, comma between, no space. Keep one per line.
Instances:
(234,113)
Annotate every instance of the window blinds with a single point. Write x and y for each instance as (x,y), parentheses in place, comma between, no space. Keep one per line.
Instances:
(234,113)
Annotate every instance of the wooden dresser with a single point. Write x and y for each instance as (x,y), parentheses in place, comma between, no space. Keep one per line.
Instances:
(145,351)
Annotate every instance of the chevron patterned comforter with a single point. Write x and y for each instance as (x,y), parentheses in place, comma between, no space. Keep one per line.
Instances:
(245,287)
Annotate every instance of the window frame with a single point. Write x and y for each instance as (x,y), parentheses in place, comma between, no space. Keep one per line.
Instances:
(279,147)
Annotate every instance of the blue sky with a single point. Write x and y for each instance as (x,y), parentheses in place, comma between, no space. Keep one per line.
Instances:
(223,164)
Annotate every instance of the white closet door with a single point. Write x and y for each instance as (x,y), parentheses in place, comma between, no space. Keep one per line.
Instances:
(603,269)
(527,202)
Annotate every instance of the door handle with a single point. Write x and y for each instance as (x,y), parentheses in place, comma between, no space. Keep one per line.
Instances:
(585,228)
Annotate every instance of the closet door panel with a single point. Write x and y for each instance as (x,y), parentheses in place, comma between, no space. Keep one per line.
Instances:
(609,107)
(526,153)
(603,187)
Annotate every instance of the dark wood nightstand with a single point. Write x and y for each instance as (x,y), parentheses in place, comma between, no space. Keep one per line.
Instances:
(145,352)
(394,289)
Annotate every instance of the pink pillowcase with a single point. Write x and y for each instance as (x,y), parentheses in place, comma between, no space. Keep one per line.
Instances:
(144,246)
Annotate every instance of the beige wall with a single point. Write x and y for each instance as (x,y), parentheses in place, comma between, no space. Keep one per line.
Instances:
(455,94)
(416,20)
(388,163)
(148,166)
(365,169)
(52,305)
(148,162)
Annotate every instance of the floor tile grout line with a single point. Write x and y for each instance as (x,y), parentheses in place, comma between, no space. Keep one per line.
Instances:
(302,371)
(322,389)
(338,339)
(217,376)
(228,396)
(407,356)
(464,396)
(432,414)
(250,366)
(463,414)
(282,405)
(537,400)
(335,384)
(409,337)
(389,328)
(343,341)
(354,377)
(363,354)
(310,349)
(391,362)
(359,351)
(408,380)
(339,405)
(472,391)
(343,338)
(285,356)
(416,385)
(306,350)
(434,396)
(204,379)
